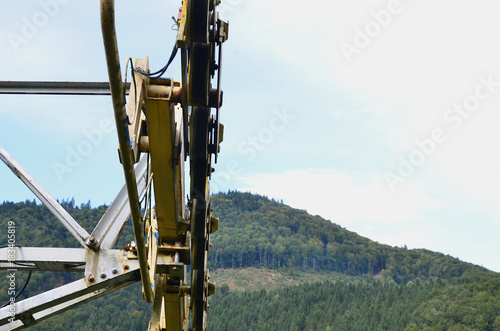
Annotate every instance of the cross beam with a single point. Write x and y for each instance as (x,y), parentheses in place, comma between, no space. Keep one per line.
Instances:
(56,88)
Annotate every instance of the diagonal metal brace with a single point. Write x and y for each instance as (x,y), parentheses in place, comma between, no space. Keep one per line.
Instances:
(55,208)
(127,158)
(28,318)
(30,311)
(109,227)
(105,271)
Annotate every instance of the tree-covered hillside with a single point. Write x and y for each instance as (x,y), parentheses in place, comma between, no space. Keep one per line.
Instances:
(430,305)
(35,226)
(358,284)
(256,231)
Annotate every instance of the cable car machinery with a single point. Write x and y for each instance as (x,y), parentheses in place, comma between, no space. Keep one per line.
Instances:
(163,123)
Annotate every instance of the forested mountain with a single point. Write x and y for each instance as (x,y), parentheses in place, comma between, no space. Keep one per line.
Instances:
(35,226)
(323,276)
(372,305)
(256,231)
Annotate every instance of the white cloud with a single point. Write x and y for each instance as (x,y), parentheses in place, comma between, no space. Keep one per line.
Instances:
(345,199)
(469,163)
(422,215)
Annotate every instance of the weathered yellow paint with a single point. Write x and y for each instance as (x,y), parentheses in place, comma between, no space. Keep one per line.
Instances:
(161,132)
(174,310)
(134,106)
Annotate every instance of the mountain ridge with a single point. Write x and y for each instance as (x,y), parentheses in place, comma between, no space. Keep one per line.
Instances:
(275,264)
(255,231)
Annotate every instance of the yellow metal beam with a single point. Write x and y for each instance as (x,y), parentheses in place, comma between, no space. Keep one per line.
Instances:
(165,143)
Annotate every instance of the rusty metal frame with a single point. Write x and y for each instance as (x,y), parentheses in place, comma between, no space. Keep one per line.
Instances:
(169,236)
(95,259)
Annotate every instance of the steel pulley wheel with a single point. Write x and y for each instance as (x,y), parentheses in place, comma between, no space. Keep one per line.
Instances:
(199,57)
(199,74)
(200,165)
(198,13)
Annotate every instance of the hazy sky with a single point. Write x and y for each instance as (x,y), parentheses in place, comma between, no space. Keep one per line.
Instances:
(381,116)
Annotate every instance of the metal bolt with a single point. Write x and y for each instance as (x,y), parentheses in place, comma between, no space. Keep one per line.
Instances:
(114,271)
(91,278)
(92,240)
(125,267)
(103,275)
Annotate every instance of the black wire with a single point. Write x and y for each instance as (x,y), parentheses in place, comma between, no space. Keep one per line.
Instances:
(129,60)
(25,283)
(176,24)
(159,73)
(20,292)
(144,197)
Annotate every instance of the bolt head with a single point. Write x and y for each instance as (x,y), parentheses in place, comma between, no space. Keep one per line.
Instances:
(103,275)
